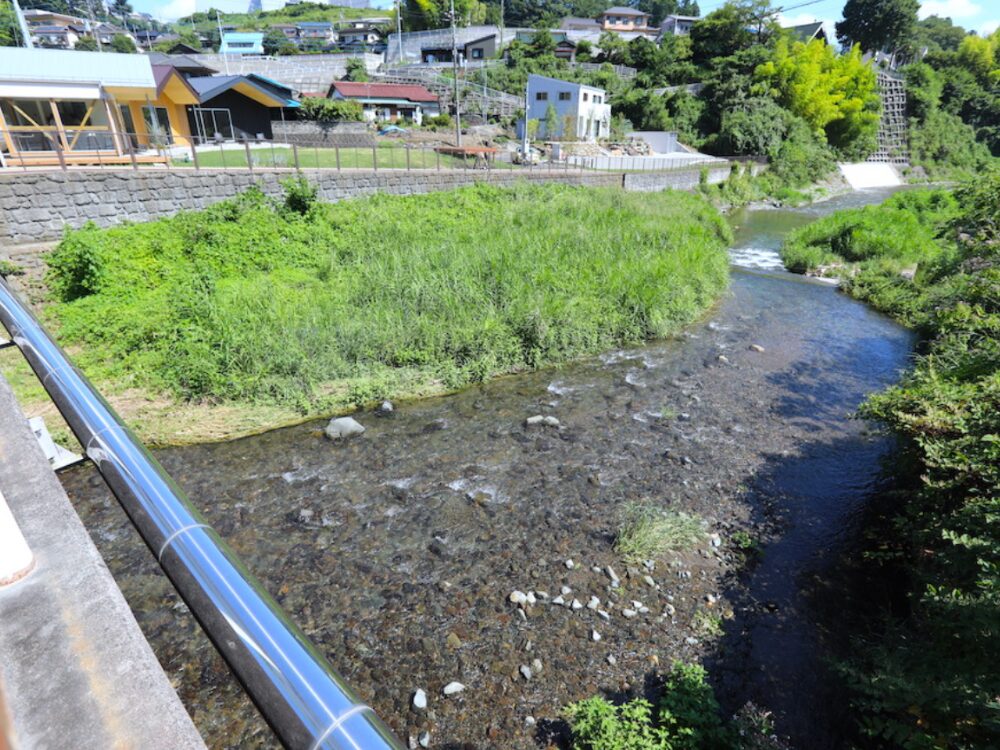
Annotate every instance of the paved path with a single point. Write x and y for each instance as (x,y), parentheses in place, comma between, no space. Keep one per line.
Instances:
(75,670)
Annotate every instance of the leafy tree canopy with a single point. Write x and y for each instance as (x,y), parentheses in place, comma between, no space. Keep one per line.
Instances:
(736,26)
(878,24)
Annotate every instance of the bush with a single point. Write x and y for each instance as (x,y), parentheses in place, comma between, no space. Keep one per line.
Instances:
(315,305)
(442,120)
(321,109)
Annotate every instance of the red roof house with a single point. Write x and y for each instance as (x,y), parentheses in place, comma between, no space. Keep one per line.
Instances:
(388,101)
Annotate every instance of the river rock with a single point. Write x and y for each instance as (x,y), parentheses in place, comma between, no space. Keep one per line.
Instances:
(595,636)
(544,421)
(453,688)
(594,603)
(518,597)
(756,348)
(386,407)
(424,739)
(342,427)
(525,671)
(420,700)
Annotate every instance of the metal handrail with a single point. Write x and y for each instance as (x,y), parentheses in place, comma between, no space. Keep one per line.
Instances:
(306,702)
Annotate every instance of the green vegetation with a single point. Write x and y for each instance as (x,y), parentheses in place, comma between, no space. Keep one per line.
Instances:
(929,679)
(686,717)
(321,109)
(647,531)
(316,307)
(385,156)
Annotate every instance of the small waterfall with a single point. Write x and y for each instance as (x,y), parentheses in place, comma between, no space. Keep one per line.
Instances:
(870,175)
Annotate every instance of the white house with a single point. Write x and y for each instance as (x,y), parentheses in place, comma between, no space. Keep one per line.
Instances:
(678,25)
(583,108)
(388,102)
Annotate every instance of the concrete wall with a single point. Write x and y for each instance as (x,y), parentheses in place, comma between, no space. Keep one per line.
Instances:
(309,133)
(37,206)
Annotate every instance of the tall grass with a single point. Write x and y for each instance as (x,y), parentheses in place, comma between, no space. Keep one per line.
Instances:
(647,531)
(374,297)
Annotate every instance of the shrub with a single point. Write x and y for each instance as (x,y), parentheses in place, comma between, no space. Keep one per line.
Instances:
(300,194)
(321,109)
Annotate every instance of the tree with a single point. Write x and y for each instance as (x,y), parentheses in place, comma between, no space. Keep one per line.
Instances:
(978,55)
(876,25)
(923,90)
(86,44)
(122,43)
(120,8)
(834,94)
(321,109)
(937,35)
(551,122)
(736,26)
(274,40)
(9,32)
(356,70)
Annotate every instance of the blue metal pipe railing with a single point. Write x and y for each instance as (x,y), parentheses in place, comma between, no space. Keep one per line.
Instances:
(306,702)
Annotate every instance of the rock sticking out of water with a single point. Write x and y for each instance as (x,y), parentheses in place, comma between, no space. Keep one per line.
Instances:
(342,427)
(420,700)
(453,688)
(756,348)
(545,421)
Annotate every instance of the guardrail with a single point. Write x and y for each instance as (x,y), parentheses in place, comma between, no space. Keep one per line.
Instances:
(305,701)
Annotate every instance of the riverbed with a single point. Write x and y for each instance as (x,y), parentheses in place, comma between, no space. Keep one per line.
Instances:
(396,550)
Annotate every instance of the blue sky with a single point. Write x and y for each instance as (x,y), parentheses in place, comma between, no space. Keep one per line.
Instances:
(980,15)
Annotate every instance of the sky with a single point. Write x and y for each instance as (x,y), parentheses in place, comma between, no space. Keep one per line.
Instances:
(982,16)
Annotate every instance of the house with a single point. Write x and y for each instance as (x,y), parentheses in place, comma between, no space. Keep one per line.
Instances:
(237,107)
(360,37)
(565,47)
(34,17)
(161,120)
(677,25)
(573,23)
(582,112)
(183,49)
(105,33)
(242,43)
(620,18)
(388,101)
(808,31)
(55,37)
(316,32)
(60,106)
(290,30)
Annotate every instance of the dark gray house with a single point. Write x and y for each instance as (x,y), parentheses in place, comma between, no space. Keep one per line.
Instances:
(237,107)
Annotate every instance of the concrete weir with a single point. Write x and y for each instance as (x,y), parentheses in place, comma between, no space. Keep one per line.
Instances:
(75,670)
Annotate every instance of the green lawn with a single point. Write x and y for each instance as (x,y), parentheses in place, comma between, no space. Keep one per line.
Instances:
(388,157)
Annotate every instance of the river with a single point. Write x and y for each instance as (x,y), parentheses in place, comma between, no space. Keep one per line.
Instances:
(396,550)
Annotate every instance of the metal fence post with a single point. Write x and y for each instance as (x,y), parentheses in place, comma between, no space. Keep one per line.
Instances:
(194,156)
(246,147)
(437,155)
(407,147)
(374,158)
(295,157)
(336,154)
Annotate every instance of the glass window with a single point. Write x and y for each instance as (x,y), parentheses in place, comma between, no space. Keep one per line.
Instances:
(542,96)
(477,54)
(157,124)
(585,96)
(31,113)
(564,96)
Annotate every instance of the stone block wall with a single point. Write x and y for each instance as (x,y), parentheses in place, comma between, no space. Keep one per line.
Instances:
(36,207)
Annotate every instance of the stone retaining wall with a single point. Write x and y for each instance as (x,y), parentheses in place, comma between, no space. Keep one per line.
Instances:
(324,134)
(35,207)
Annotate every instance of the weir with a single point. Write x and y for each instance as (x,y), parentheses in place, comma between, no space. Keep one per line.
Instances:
(865,175)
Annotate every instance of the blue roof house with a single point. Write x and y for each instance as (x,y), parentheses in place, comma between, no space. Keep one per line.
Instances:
(242,43)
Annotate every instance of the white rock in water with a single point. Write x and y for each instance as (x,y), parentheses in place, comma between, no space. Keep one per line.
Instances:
(542,420)
(558,600)
(612,660)
(594,603)
(576,604)
(420,700)
(525,671)
(424,739)
(629,613)
(518,597)
(453,687)
(595,635)
(343,427)
(386,406)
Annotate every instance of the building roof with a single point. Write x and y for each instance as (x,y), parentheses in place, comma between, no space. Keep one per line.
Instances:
(619,10)
(253,87)
(50,29)
(169,79)
(315,25)
(806,31)
(574,21)
(181,62)
(358,90)
(109,69)
(535,78)
(243,36)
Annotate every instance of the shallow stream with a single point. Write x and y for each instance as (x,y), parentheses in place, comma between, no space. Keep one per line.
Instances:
(396,550)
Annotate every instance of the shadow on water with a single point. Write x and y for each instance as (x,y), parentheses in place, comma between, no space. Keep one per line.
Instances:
(396,551)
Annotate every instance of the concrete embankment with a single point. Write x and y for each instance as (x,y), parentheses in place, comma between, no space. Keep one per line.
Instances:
(76,671)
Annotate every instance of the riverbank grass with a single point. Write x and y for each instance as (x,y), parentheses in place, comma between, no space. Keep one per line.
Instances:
(647,532)
(309,309)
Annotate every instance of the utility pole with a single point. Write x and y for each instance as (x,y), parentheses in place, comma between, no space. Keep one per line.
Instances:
(22,24)
(500,41)
(454,67)
(399,28)
(218,21)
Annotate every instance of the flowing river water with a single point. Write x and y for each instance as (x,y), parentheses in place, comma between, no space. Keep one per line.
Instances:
(396,550)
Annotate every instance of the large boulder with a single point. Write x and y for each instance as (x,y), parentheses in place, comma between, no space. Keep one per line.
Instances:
(343,427)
